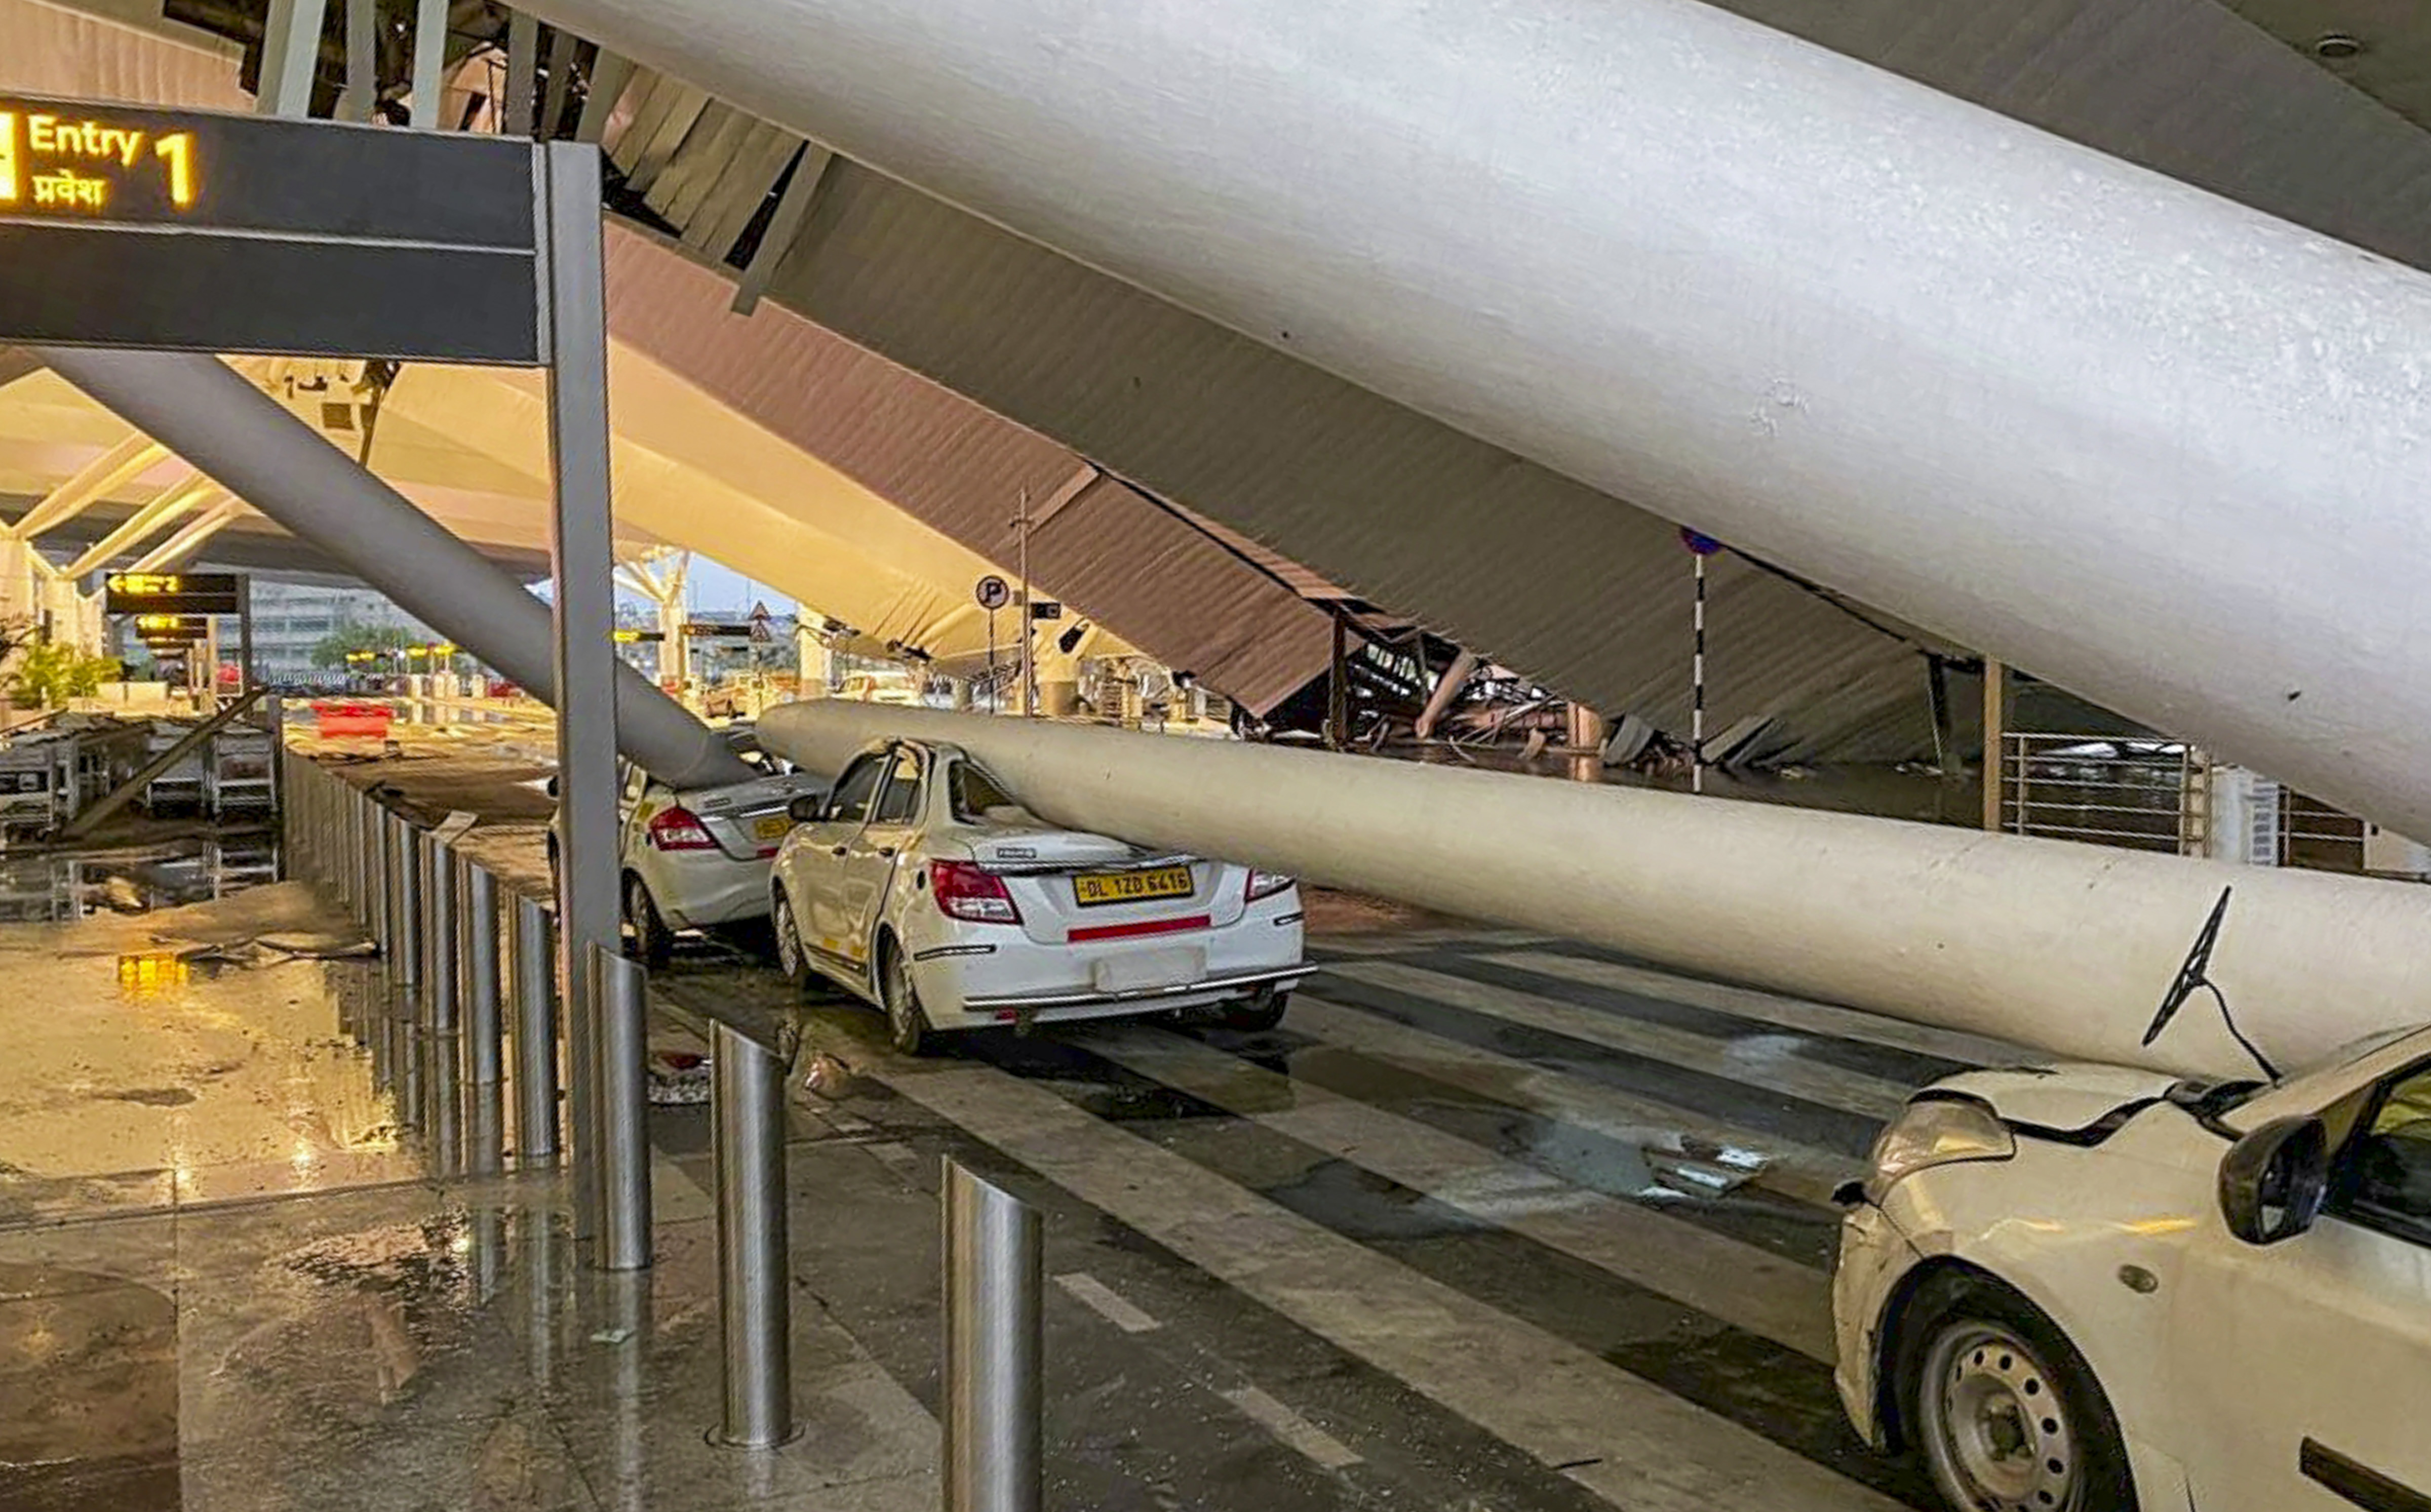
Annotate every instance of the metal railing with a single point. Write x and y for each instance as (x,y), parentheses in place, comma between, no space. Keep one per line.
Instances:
(472,998)
(2136,795)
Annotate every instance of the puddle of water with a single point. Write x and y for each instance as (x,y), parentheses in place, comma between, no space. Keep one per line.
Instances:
(62,886)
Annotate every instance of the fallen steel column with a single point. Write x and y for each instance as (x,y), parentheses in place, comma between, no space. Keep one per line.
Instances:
(2154,446)
(2068,947)
(216,420)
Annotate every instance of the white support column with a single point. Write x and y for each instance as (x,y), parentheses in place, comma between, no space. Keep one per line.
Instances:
(609,77)
(363,61)
(523,70)
(429,64)
(561,78)
(291,54)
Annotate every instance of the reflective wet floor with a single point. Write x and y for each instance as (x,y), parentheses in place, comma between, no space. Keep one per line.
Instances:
(1491,1222)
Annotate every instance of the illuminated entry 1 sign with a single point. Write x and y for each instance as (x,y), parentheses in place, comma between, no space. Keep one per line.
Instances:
(256,234)
(77,165)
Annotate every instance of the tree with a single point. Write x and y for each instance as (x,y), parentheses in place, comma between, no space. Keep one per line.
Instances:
(330,651)
(49,674)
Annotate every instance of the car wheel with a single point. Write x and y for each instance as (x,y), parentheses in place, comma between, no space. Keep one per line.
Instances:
(794,961)
(2005,1413)
(653,942)
(907,1026)
(1264,1011)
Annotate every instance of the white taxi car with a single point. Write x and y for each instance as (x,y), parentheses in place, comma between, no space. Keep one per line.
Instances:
(699,858)
(920,885)
(2094,1289)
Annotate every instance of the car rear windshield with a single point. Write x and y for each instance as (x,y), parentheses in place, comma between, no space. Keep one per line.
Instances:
(976,792)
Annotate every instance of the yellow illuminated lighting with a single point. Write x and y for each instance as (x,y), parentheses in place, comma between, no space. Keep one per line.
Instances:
(146,584)
(177,151)
(74,164)
(151,974)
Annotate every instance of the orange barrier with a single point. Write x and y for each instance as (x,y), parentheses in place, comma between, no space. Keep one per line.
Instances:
(339,719)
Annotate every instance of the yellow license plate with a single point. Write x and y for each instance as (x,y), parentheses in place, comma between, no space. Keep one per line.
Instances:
(771,828)
(1101,887)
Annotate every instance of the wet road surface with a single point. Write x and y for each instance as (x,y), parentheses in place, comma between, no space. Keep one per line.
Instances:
(1490,1222)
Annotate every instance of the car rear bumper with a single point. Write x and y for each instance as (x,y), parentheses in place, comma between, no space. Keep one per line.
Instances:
(1209,989)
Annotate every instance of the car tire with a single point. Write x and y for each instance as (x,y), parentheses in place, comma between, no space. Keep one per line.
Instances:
(907,1023)
(1264,1011)
(793,958)
(653,942)
(2001,1410)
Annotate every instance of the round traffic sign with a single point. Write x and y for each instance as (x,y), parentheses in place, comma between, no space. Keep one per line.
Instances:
(993,593)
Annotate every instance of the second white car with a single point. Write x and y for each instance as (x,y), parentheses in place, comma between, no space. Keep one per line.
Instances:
(923,887)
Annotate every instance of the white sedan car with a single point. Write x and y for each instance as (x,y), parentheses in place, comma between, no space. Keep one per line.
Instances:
(920,885)
(2096,1289)
(694,859)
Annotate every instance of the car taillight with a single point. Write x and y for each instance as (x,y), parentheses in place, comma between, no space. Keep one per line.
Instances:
(680,829)
(964,891)
(1266,883)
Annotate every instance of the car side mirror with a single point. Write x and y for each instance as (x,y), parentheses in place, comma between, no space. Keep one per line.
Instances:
(2274,1180)
(808,809)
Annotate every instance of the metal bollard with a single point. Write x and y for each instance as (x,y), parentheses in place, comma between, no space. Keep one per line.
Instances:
(535,1033)
(755,1314)
(478,891)
(991,1424)
(623,1154)
(405,906)
(441,941)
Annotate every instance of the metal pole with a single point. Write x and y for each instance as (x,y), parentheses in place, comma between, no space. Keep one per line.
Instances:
(624,1151)
(429,59)
(582,566)
(755,1317)
(991,1433)
(1996,742)
(483,1026)
(1028,628)
(1697,677)
(405,889)
(373,911)
(440,943)
(535,1033)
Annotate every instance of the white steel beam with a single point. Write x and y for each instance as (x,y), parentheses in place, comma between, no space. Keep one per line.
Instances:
(178,548)
(173,504)
(97,479)
(2069,947)
(2152,446)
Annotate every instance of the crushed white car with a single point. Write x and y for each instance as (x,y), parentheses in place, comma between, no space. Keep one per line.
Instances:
(2095,1290)
(921,886)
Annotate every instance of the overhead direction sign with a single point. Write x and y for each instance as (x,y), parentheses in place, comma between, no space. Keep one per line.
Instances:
(197,231)
(170,593)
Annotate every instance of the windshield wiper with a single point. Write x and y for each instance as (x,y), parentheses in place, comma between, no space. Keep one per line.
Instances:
(2194,976)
